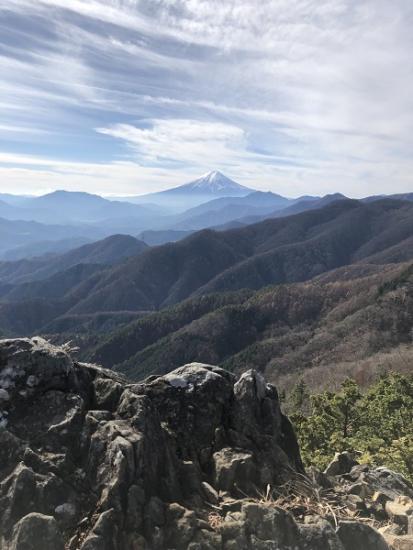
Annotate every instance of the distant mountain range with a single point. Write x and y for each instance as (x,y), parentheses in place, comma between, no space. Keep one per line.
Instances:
(208,187)
(212,271)
(225,209)
(293,248)
(89,217)
(36,291)
(56,222)
(108,251)
(118,275)
(44,248)
(16,234)
(64,207)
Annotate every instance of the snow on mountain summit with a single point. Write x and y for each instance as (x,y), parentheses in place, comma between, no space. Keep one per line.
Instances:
(215,182)
(213,185)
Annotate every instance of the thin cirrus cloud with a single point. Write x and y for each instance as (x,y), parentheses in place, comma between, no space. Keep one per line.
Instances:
(179,140)
(130,96)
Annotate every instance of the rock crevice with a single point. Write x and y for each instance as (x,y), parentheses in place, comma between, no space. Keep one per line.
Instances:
(89,461)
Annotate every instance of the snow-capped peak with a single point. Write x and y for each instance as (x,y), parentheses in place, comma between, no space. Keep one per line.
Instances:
(212,176)
(215,182)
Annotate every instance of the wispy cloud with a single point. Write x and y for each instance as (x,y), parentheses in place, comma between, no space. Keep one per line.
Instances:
(297,95)
(183,141)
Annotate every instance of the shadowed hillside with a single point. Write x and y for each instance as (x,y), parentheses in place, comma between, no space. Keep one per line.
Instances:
(291,249)
(275,251)
(336,320)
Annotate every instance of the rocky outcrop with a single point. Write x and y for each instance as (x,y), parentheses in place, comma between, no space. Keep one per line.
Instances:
(188,460)
(376,495)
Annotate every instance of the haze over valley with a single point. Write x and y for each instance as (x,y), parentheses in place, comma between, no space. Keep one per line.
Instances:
(84,268)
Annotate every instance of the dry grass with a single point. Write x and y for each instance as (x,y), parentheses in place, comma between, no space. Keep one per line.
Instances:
(302,497)
(365,371)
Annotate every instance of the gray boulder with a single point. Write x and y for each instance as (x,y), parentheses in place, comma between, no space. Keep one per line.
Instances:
(341,464)
(361,536)
(36,532)
(177,462)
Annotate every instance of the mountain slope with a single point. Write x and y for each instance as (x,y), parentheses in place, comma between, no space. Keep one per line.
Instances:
(220,217)
(6,209)
(84,207)
(14,233)
(54,287)
(226,209)
(257,199)
(291,249)
(74,207)
(166,274)
(288,249)
(14,200)
(44,248)
(108,251)
(302,204)
(67,200)
(206,188)
(157,238)
(215,183)
(283,331)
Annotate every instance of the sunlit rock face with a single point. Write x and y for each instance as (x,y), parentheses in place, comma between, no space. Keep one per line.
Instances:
(183,461)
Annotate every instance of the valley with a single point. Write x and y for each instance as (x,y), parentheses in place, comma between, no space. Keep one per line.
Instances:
(296,294)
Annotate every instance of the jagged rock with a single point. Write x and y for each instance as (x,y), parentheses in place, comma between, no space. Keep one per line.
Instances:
(320,536)
(355,503)
(361,489)
(380,498)
(358,535)
(32,365)
(107,393)
(11,448)
(234,470)
(319,478)
(210,493)
(341,464)
(381,479)
(65,512)
(401,506)
(400,511)
(36,531)
(181,525)
(177,462)
(104,533)
(233,534)
(270,523)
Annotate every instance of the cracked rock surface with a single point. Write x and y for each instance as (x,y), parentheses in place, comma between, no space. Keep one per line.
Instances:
(89,461)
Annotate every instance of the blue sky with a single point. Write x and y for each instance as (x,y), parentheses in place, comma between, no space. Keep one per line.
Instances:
(132,96)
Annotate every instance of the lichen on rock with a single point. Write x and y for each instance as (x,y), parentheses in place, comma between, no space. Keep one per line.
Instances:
(177,462)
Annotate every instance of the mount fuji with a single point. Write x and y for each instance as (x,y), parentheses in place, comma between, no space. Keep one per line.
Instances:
(208,187)
(214,183)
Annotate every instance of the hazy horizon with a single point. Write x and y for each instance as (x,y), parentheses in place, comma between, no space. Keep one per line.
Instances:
(130,97)
(116,195)
(125,196)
